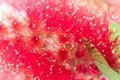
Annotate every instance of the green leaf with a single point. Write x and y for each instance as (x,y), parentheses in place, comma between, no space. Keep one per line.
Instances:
(108,72)
(115,28)
(100,61)
(116,48)
(99,57)
(95,52)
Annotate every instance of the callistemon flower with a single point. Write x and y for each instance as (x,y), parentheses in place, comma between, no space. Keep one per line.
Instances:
(53,39)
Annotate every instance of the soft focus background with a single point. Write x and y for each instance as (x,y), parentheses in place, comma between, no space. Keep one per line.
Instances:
(43,39)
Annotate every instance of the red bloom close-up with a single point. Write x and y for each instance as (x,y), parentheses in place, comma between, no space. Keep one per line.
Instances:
(58,39)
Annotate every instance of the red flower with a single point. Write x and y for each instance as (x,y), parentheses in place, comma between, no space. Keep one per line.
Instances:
(42,39)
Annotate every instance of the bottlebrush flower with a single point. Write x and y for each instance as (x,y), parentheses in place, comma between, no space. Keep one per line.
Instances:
(44,39)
